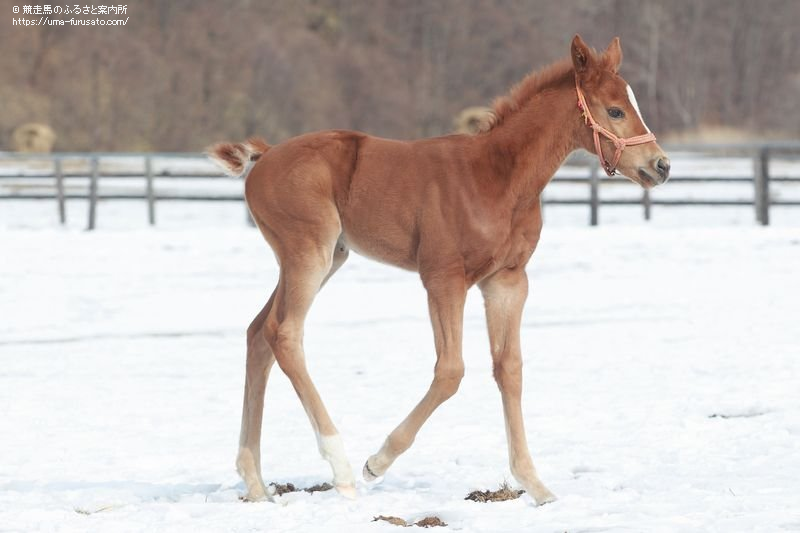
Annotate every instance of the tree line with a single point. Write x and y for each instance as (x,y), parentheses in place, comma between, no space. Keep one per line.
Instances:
(185,73)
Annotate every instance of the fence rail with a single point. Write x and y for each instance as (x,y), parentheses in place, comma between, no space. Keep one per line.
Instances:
(21,179)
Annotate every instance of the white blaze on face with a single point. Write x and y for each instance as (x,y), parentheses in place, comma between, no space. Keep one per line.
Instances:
(632,98)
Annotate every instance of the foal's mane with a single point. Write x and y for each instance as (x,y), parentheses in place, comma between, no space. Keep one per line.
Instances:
(524,91)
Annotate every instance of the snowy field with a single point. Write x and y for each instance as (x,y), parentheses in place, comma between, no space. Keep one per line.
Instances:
(662,363)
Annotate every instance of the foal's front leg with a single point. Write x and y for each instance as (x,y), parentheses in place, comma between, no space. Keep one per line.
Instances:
(446,304)
(504,295)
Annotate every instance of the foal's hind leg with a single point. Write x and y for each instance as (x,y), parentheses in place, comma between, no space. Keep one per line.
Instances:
(504,295)
(259,362)
(302,274)
(260,359)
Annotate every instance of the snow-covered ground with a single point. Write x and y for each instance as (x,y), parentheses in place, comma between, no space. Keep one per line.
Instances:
(662,362)
(661,367)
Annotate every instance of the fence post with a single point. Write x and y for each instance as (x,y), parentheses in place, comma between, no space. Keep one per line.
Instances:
(594,193)
(62,209)
(93,178)
(646,203)
(761,184)
(151,196)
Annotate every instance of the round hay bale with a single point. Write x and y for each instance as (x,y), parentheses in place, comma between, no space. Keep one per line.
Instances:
(33,137)
(472,120)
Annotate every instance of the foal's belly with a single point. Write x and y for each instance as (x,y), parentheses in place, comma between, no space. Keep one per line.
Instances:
(391,247)
(379,220)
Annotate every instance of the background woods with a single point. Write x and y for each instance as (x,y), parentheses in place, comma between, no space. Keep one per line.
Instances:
(182,74)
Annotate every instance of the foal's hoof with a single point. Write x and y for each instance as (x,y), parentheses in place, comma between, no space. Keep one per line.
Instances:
(369,474)
(543,496)
(348,491)
(251,497)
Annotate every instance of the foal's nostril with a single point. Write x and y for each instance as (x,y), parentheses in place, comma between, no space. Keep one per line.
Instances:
(662,166)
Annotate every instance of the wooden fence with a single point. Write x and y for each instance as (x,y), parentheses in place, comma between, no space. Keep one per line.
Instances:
(20,179)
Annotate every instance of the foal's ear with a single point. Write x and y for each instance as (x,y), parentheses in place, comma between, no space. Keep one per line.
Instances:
(581,55)
(613,55)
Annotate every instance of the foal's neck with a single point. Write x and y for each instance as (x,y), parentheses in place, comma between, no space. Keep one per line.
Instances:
(537,138)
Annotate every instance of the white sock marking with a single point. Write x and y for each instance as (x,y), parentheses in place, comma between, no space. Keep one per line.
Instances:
(331,448)
(632,98)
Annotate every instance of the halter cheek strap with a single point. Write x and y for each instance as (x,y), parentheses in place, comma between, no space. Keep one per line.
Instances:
(597,130)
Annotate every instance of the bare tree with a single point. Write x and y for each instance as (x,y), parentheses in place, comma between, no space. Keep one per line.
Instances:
(186,72)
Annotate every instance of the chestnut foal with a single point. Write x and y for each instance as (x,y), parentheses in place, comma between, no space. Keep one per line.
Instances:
(461,210)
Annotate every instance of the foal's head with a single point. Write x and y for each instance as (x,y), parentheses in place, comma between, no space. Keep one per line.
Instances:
(615,127)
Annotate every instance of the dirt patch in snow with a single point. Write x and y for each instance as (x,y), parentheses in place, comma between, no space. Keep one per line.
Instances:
(428,521)
(283,488)
(500,495)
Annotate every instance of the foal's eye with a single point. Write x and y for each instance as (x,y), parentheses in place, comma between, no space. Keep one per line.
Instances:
(615,112)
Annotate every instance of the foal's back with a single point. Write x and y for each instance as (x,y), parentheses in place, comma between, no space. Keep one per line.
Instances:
(374,193)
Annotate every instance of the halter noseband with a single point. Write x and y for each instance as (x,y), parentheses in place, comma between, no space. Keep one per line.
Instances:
(597,129)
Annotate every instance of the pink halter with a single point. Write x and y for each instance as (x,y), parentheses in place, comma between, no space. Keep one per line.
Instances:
(597,129)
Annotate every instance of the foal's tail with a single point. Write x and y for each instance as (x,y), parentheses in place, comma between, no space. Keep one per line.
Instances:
(233,157)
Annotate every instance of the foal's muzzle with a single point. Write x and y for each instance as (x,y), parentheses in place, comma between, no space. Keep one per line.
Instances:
(658,171)
(662,168)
